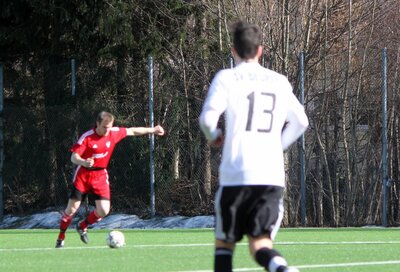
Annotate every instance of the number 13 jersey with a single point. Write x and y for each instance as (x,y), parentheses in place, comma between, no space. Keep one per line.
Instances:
(259,106)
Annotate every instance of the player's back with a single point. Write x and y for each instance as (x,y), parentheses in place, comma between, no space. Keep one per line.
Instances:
(257,106)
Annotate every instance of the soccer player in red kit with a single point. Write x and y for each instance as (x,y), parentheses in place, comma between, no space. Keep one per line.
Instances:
(92,154)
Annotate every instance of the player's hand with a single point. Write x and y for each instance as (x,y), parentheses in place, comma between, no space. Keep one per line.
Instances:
(217,142)
(158,130)
(89,162)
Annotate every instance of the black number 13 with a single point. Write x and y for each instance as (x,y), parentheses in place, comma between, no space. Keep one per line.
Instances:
(269,111)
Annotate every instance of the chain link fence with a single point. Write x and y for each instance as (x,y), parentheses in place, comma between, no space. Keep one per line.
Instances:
(43,118)
(41,127)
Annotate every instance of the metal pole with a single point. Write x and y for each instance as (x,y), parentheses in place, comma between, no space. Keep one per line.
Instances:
(151,137)
(231,61)
(302,148)
(384,139)
(1,143)
(73,77)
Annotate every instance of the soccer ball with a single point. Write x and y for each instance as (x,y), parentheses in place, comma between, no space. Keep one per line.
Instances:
(115,239)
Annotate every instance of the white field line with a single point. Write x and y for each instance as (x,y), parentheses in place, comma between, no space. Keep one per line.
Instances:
(241,244)
(338,243)
(195,245)
(313,266)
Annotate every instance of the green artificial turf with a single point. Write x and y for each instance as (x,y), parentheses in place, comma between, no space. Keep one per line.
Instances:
(190,250)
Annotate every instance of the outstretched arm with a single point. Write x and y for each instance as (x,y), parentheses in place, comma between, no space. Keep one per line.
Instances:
(137,131)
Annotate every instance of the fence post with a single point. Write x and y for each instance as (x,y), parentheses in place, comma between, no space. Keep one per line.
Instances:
(302,147)
(384,139)
(73,77)
(1,143)
(151,137)
(231,61)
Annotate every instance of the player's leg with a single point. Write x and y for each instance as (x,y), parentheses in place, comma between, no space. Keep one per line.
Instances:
(101,192)
(102,210)
(262,251)
(264,225)
(66,219)
(227,226)
(223,256)
(75,198)
(69,212)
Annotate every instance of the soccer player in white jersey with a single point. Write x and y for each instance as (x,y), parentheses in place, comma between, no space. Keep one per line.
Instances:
(263,118)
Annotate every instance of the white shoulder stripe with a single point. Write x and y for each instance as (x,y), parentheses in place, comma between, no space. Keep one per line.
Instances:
(84,135)
(115,128)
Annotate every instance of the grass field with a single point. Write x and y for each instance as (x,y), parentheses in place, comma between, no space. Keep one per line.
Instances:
(190,250)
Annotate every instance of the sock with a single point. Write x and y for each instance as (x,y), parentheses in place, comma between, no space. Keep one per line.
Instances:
(90,219)
(64,224)
(271,260)
(223,260)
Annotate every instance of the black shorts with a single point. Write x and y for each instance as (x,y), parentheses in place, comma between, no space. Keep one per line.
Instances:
(78,195)
(253,210)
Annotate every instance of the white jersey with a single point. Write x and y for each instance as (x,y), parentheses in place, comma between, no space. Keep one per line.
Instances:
(257,103)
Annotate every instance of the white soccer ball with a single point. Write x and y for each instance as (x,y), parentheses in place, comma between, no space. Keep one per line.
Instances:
(115,239)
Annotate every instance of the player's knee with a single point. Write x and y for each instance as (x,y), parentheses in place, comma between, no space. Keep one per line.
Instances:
(223,244)
(102,207)
(71,210)
(102,211)
(256,243)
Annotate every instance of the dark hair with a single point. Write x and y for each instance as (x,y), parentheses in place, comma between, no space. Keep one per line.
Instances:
(103,115)
(246,39)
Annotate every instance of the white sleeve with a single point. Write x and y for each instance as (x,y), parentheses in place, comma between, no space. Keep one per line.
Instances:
(214,105)
(297,122)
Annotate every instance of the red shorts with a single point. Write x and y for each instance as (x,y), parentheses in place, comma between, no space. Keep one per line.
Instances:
(92,181)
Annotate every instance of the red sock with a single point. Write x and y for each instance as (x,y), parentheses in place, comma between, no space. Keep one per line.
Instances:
(64,224)
(90,219)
